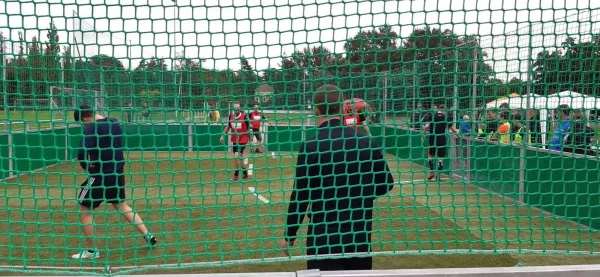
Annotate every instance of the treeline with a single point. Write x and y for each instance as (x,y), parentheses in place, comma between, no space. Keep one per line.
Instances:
(424,67)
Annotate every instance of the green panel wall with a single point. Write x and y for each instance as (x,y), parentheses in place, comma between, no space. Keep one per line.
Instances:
(566,186)
(4,156)
(73,140)
(35,150)
(155,137)
(496,167)
(285,138)
(206,138)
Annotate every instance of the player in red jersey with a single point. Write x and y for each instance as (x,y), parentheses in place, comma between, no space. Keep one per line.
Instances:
(354,115)
(239,125)
(256,118)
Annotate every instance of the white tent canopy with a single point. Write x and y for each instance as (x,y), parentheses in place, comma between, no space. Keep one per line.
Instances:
(516,102)
(573,99)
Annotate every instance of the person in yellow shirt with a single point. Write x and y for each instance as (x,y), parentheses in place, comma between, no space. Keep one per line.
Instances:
(504,129)
(519,131)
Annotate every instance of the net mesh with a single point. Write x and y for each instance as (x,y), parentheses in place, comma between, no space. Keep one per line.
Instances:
(486,115)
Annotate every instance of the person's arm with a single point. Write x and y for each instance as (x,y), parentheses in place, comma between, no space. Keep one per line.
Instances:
(226,131)
(299,199)
(267,121)
(88,154)
(453,129)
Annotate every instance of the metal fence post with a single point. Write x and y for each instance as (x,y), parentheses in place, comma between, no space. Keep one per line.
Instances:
(190,137)
(10,156)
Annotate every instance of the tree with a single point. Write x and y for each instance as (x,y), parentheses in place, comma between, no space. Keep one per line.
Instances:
(372,50)
(106,62)
(36,63)
(574,66)
(51,58)
(441,60)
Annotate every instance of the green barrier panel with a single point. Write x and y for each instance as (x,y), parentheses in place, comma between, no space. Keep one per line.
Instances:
(565,186)
(206,138)
(4,160)
(285,138)
(495,167)
(36,150)
(74,136)
(155,137)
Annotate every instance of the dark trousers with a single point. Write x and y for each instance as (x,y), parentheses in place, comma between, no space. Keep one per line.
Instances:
(361,263)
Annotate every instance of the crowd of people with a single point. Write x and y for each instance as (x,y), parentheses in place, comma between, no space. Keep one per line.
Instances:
(571,133)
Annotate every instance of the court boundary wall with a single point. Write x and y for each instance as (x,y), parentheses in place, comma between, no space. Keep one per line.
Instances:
(517,184)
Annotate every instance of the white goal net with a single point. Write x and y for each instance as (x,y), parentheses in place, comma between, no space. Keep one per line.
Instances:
(64,100)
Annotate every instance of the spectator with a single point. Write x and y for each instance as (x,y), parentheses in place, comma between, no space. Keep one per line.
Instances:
(519,130)
(579,137)
(490,127)
(465,127)
(503,134)
(561,128)
(536,128)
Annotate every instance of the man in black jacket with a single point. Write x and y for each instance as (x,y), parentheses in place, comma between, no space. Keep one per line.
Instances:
(339,174)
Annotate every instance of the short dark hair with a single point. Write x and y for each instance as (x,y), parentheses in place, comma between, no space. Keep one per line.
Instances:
(564,109)
(84,111)
(328,100)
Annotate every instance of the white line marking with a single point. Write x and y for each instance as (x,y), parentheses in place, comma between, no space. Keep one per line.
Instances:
(421,181)
(251,189)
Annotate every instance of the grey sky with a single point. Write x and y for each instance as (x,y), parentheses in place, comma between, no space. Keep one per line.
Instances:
(220,31)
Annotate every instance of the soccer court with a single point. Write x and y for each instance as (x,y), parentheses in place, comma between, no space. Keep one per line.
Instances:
(204,220)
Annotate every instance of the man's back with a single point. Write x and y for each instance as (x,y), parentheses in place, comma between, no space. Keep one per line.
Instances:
(103,144)
(346,171)
(439,125)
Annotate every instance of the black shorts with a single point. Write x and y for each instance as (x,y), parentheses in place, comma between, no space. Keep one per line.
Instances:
(100,188)
(239,148)
(256,133)
(437,147)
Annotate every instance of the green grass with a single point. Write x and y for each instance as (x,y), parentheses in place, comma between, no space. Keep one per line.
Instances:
(199,216)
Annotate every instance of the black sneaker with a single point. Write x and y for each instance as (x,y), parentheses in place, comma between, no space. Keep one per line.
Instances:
(150,239)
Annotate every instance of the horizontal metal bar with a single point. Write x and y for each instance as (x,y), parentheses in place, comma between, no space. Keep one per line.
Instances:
(546,271)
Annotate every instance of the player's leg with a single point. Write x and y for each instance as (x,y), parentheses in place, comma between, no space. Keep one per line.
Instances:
(441,153)
(431,153)
(241,160)
(89,198)
(115,195)
(257,135)
(235,150)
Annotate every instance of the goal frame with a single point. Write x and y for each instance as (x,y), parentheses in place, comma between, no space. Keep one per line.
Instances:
(98,105)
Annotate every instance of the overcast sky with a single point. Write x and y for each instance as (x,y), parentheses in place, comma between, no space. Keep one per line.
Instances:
(220,31)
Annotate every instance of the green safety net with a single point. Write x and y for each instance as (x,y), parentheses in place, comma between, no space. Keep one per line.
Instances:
(518,82)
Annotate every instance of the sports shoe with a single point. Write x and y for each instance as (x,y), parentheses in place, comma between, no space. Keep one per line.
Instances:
(431,176)
(86,255)
(245,177)
(234,178)
(150,239)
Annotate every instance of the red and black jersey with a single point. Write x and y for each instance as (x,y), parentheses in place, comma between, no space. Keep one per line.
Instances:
(240,126)
(255,118)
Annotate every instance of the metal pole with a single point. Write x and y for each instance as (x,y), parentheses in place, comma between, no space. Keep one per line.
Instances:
(385,92)
(527,122)
(455,97)
(474,86)
(6,113)
(414,106)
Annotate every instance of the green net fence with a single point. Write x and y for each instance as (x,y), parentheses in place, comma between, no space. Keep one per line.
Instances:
(518,82)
